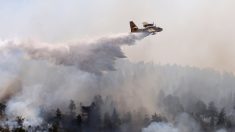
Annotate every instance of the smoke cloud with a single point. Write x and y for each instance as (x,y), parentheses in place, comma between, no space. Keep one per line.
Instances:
(38,76)
(90,58)
(42,76)
(94,56)
(160,127)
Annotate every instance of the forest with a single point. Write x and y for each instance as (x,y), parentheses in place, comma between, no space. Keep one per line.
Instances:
(97,118)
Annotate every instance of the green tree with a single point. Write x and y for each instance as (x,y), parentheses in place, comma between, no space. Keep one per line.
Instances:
(146,121)
(79,120)
(221,118)
(72,107)
(2,109)
(58,114)
(212,113)
(20,121)
(107,121)
(115,119)
(158,118)
(200,107)
(127,117)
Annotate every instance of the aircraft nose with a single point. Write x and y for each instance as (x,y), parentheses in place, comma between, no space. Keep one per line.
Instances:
(160,29)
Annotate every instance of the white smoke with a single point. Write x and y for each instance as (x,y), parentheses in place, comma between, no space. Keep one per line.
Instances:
(94,56)
(43,84)
(221,130)
(183,123)
(160,127)
(39,84)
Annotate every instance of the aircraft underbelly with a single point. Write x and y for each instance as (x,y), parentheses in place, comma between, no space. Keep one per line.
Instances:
(151,30)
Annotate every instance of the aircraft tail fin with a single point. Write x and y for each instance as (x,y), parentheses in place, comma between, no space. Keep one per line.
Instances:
(133,27)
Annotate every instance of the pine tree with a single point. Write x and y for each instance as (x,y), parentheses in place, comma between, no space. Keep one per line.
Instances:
(115,119)
(58,114)
(2,109)
(72,107)
(79,120)
(107,121)
(212,113)
(221,118)
(20,121)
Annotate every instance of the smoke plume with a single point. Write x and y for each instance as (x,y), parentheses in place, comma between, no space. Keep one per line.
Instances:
(84,61)
(160,127)
(38,77)
(94,56)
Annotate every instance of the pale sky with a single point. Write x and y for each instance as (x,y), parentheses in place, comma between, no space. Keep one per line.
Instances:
(197,33)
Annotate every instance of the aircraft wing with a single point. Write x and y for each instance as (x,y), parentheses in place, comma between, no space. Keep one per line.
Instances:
(145,23)
(151,30)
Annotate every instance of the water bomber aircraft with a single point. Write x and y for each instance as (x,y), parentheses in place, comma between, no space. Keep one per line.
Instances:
(150,28)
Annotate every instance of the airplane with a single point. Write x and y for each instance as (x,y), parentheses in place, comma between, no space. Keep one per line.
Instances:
(147,28)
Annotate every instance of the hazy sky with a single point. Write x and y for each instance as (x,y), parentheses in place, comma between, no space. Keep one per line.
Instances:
(196,32)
